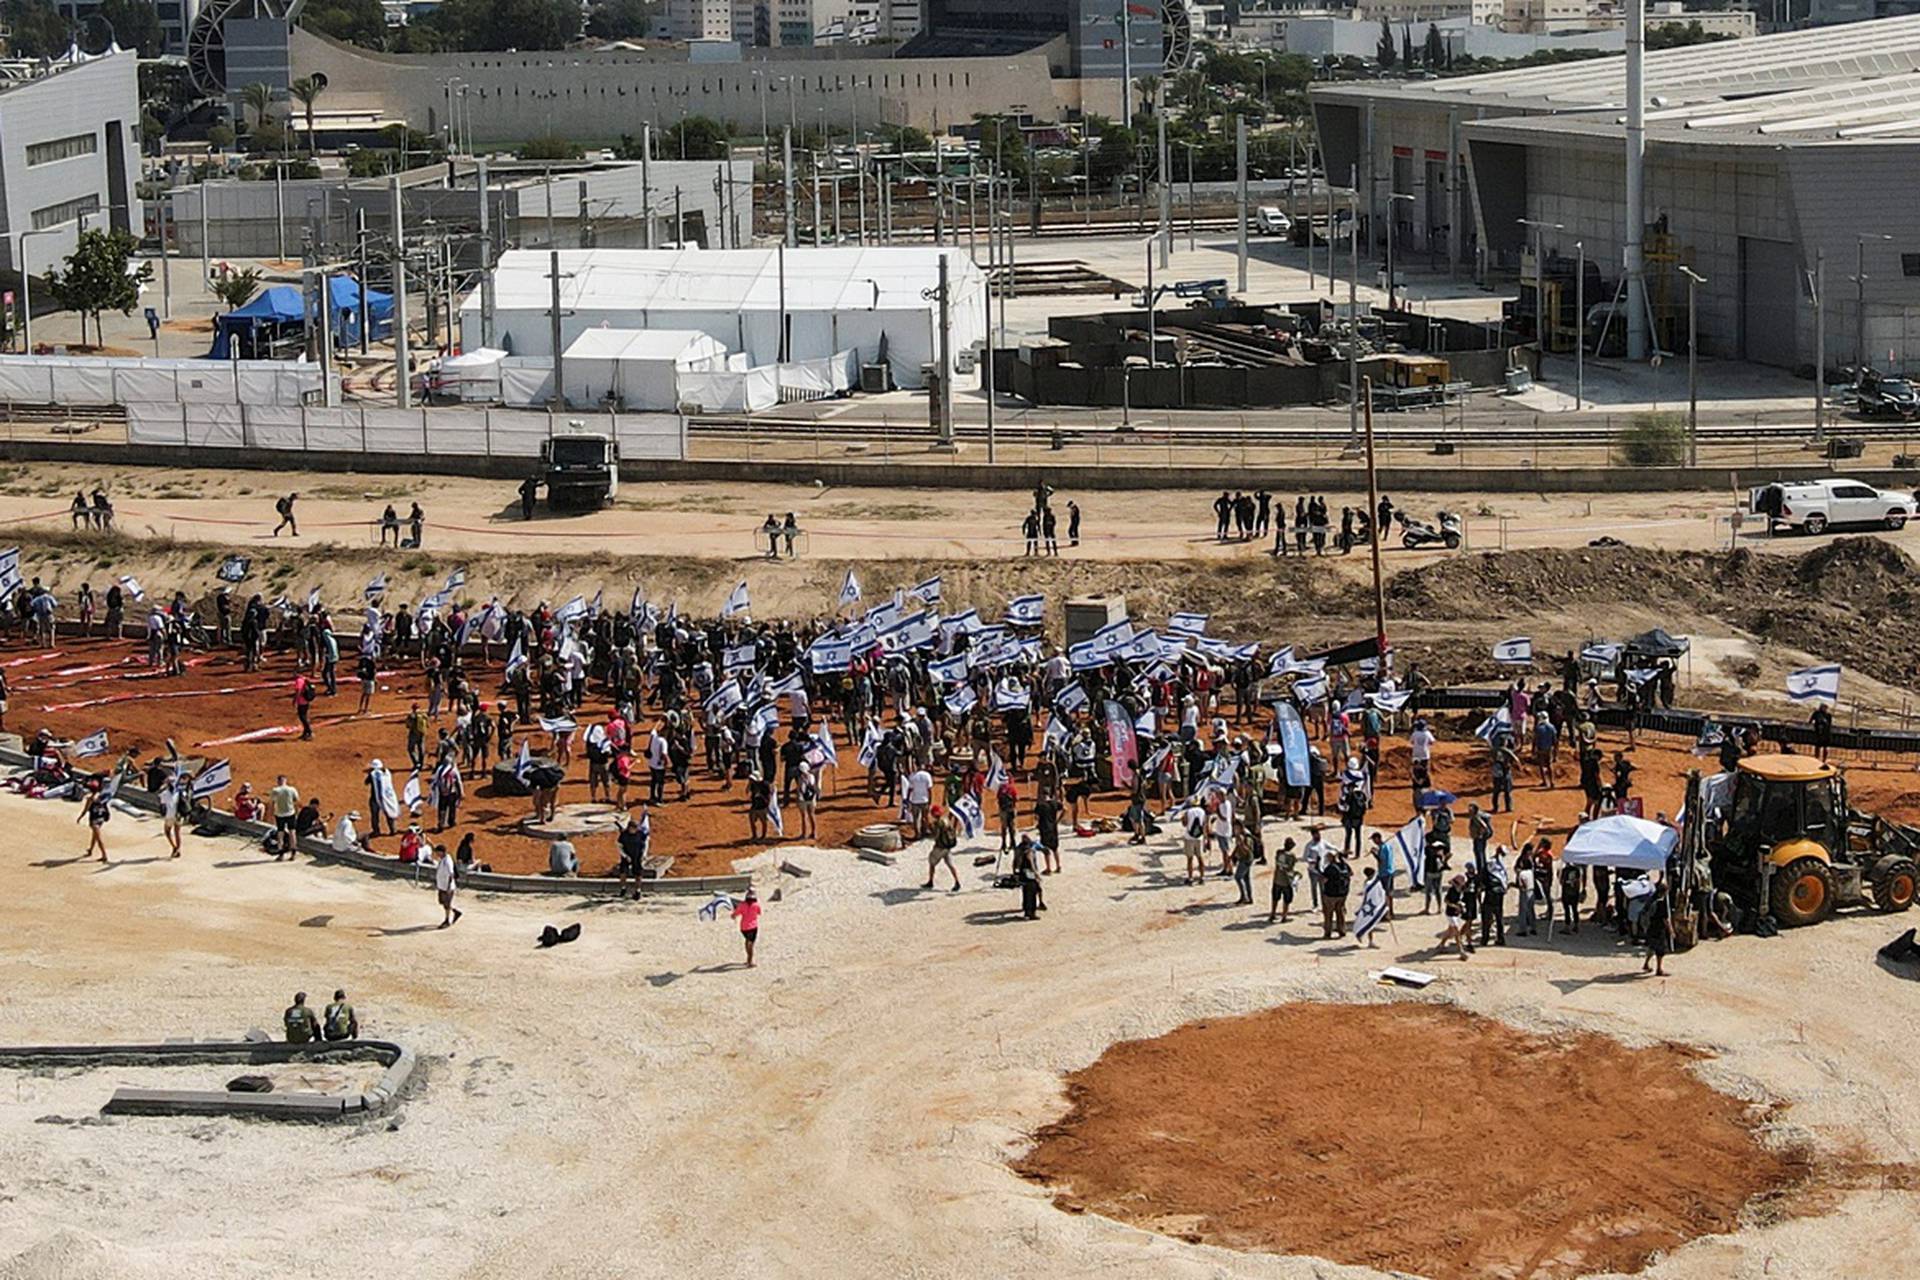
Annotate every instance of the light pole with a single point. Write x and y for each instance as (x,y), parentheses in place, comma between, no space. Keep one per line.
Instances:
(1860,298)
(1534,227)
(1693,368)
(1579,325)
(1391,220)
(1190,200)
(1817,291)
(26,285)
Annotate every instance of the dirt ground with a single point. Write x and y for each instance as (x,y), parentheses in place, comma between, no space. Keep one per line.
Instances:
(1176,1135)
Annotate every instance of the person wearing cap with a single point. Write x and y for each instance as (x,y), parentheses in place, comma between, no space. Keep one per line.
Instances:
(945,836)
(747,912)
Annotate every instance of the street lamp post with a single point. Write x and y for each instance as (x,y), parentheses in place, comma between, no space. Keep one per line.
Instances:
(1860,298)
(1693,368)
(1534,227)
(1580,325)
(26,286)
(1817,292)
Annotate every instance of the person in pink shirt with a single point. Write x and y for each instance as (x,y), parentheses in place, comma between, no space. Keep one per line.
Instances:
(747,912)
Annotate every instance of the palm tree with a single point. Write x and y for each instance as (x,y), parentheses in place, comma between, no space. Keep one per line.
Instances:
(306,89)
(258,97)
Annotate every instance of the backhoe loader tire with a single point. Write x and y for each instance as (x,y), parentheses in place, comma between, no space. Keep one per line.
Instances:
(1802,893)
(1894,885)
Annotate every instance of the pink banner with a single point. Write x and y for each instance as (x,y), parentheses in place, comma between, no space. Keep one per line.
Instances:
(1123,748)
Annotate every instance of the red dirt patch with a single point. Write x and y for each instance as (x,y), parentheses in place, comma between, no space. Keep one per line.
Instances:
(1115,869)
(1608,1154)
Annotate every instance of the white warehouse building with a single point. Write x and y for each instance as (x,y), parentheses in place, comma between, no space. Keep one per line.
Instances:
(880,303)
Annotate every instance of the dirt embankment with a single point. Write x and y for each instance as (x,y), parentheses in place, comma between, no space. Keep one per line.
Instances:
(1408,1137)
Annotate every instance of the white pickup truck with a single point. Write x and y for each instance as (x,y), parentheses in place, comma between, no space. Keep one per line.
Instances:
(1816,505)
(1271,220)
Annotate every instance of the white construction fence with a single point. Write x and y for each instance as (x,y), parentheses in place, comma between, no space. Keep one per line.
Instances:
(470,432)
(108,380)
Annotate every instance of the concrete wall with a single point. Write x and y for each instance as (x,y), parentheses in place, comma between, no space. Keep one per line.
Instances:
(100,97)
(597,96)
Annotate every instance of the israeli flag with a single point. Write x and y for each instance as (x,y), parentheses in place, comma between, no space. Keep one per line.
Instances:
(949,670)
(129,584)
(1501,721)
(313,598)
(714,906)
(917,632)
(637,609)
(965,624)
(594,605)
(725,700)
(1311,690)
(1280,662)
(517,658)
(1070,699)
(962,700)
(1188,624)
(849,590)
(1815,684)
(1408,849)
(996,772)
(773,811)
(94,744)
(1373,908)
(457,579)
(967,809)
(739,658)
(1151,765)
(1712,736)
(574,608)
(523,763)
(1027,611)
(1515,652)
(1391,702)
(1012,697)
(558,724)
(828,752)
(472,624)
(233,569)
(928,591)
(377,588)
(827,655)
(1145,646)
(737,602)
(410,795)
(786,684)
(213,779)
(1601,655)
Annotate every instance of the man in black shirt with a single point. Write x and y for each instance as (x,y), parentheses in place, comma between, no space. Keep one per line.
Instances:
(1336,878)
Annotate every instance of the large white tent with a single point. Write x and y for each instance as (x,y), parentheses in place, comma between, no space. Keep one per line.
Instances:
(833,300)
(638,368)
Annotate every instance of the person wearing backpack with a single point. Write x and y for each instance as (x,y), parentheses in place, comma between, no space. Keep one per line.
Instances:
(1336,878)
(340,1022)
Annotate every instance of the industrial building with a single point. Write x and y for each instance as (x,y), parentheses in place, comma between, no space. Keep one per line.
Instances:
(1763,160)
(771,305)
(69,154)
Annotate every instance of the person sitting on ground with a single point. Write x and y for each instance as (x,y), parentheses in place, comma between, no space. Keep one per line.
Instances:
(340,1022)
(301,1024)
(345,838)
(246,807)
(412,842)
(561,859)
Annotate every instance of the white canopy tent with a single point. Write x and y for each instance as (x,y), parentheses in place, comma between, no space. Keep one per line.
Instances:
(637,368)
(833,299)
(1621,840)
(472,375)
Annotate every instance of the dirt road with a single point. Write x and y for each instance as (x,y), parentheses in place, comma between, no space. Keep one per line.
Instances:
(637,1105)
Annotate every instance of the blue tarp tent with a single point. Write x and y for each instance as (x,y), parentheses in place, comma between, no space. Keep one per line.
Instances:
(254,326)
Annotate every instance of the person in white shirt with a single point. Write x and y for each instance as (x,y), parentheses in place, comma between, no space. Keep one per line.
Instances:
(1223,833)
(345,838)
(1315,855)
(919,795)
(1421,741)
(657,758)
(445,883)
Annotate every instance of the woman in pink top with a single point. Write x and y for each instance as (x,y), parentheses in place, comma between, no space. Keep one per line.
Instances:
(748,914)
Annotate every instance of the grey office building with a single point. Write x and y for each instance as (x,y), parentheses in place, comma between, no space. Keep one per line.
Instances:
(1763,157)
(69,154)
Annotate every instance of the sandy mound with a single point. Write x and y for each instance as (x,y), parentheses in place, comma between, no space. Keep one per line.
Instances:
(68,1255)
(1407,1137)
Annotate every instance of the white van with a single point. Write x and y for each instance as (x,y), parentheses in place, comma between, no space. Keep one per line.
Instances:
(1815,505)
(1272,221)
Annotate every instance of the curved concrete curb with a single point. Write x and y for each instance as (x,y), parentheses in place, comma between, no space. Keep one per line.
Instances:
(376,1100)
(480,881)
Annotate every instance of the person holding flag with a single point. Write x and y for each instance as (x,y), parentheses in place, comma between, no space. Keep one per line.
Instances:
(1376,906)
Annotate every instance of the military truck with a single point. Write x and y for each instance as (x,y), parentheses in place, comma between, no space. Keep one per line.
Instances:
(581,469)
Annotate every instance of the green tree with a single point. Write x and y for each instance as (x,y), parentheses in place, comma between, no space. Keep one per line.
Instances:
(136,25)
(505,24)
(550,148)
(904,137)
(1114,149)
(620,19)
(1654,440)
(1385,52)
(258,98)
(98,277)
(35,29)
(695,138)
(237,288)
(220,137)
(306,90)
(1002,142)
(358,22)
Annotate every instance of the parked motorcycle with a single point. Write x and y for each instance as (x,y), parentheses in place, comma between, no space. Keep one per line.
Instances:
(1415,534)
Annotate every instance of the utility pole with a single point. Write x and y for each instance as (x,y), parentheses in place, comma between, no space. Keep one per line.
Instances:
(1579,325)
(486,254)
(1373,515)
(280,209)
(786,175)
(1162,173)
(1860,298)
(1819,344)
(166,262)
(646,176)
(360,253)
(403,373)
(988,345)
(206,246)
(1240,175)
(944,444)
(553,329)
(1353,319)
(1693,369)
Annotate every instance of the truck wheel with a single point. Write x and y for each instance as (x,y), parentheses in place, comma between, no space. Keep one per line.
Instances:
(1896,520)
(1816,525)
(1893,887)
(1802,893)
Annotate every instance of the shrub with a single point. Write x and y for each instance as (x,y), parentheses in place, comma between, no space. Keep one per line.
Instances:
(1654,440)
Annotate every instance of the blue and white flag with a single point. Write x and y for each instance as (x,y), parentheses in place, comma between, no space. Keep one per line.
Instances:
(233,569)
(131,585)
(773,811)
(792,682)
(967,810)
(212,780)
(1408,849)
(962,700)
(1011,697)
(966,624)
(313,596)
(1311,689)
(1373,908)
(1055,738)
(1515,652)
(1391,702)
(996,771)
(594,605)
(823,737)
(94,744)
(1027,611)
(457,579)
(1145,646)
(1638,676)
(572,609)
(737,602)
(523,763)
(725,699)
(1501,721)
(849,590)
(558,724)
(1188,624)
(1815,684)
(518,657)
(1281,662)
(917,632)
(885,614)
(473,623)
(738,658)
(827,655)
(1601,655)
(377,587)
(951,670)
(928,591)
(1070,699)
(714,906)
(637,607)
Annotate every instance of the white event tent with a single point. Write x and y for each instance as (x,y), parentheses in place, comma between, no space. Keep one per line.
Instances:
(640,368)
(834,299)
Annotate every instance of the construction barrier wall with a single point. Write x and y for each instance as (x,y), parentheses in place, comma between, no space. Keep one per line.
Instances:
(108,380)
(507,433)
